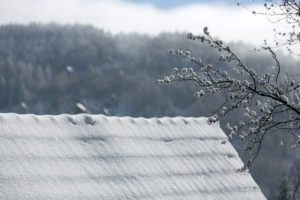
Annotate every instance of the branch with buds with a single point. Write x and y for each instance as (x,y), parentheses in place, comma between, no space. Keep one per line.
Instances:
(269,103)
(287,12)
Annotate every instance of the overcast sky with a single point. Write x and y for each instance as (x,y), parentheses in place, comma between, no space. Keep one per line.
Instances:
(224,18)
(167,4)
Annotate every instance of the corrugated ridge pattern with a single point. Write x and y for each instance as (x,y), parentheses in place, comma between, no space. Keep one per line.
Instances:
(99,157)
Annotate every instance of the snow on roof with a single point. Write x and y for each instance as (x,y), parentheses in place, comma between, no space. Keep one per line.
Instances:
(98,157)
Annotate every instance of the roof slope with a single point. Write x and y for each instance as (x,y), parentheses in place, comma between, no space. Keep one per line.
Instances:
(97,157)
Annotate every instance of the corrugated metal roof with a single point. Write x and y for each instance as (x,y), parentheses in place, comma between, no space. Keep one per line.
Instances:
(99,157)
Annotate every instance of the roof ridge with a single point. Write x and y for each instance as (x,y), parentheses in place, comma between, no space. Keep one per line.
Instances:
(100,115)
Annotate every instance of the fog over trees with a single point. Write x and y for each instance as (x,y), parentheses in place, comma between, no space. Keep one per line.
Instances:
(54,69)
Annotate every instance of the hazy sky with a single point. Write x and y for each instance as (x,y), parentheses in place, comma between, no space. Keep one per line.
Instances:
(167,4)
(223,18)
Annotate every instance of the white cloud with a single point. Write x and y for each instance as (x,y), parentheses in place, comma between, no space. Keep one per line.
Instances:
(229,23)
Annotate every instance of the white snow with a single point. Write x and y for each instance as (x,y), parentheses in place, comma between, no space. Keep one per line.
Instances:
(81,107)
(98,157)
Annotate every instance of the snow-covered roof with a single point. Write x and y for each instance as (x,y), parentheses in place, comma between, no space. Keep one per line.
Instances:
(98,157)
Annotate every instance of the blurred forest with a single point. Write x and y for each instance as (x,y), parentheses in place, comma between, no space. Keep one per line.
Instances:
(54,69)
